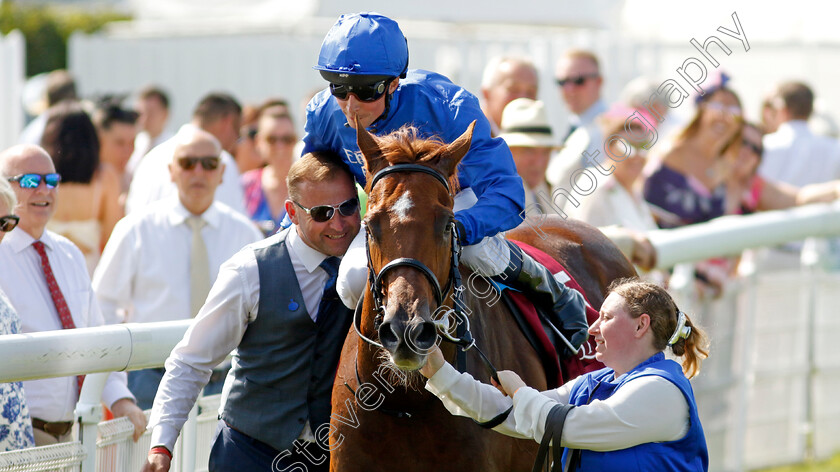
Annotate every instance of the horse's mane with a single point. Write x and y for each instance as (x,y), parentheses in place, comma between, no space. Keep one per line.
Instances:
(405,146)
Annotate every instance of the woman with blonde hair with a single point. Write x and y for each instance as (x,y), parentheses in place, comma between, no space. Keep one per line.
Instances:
(637,414)
(15,423)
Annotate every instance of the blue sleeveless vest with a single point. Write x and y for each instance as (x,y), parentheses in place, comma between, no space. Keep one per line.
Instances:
(686,454)
(285,365)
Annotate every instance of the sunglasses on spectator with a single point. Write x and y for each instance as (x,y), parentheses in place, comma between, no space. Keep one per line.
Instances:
(733,110)
(208,163)
(34,180)
(365,93)
(288,139)
(756,148)
(8,222)
(324,213)
(577,81)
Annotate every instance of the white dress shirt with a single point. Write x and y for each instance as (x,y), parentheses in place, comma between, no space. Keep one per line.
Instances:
(645,409)
(795,155)
(151,180)
(144,273)
(232,304)
(587,137)
(22,279)
(611,204)
(144,143)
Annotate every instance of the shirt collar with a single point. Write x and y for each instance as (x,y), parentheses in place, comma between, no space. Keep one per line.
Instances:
(19,240)
(179,214)
(310,257)
(593,111)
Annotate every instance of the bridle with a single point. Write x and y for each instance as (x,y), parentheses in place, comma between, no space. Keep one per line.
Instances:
(375,279)
(463,337)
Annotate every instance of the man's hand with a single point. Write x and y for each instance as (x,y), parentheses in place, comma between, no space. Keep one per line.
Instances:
(126,407)
(156,462)
(644,254)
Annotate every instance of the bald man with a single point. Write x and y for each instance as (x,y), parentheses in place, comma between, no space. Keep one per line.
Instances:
(45,277)
(505,79)
(161,260)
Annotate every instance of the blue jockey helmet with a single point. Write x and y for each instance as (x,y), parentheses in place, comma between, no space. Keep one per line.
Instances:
(363,46)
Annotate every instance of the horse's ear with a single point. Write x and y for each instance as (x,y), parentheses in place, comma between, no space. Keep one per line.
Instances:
(369,147)
(456,151)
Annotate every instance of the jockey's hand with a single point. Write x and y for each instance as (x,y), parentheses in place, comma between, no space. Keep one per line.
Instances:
(433,363)
(126,407)
(156,462)
(510,382)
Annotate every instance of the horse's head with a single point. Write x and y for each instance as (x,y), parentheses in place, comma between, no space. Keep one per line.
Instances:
(409,222)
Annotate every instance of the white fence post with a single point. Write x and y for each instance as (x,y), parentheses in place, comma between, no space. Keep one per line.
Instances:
(89,413)
(12,76)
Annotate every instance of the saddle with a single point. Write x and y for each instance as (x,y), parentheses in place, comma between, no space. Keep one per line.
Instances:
(543,338)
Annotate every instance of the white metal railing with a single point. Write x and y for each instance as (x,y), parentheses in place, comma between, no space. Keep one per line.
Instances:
(763,399)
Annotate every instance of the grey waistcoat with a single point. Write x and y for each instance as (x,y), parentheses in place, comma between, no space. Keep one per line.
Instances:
(285,365)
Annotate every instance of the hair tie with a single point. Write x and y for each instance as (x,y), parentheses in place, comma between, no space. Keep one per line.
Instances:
(682,330)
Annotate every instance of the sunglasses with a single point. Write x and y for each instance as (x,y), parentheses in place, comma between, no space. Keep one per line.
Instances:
(34,180)
(756,148)
(577,81)
(733,110)
(365,93)
(208,163)
(324,213)
(288,139)
(8,222)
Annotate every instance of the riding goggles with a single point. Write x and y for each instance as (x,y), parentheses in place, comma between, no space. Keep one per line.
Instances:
(208,163)
(365,93)
(34,180)
(8,222)
(324,213)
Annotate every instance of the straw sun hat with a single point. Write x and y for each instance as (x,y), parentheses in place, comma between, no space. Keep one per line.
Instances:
(525,124)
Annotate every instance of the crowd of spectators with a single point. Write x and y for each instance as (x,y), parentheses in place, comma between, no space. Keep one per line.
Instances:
(130,180)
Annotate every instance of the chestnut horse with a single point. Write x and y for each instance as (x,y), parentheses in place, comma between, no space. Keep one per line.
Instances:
(383,419)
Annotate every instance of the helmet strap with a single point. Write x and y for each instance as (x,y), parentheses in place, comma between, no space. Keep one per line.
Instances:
(387,103)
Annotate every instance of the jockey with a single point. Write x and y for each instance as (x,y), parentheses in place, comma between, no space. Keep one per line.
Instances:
(364,57)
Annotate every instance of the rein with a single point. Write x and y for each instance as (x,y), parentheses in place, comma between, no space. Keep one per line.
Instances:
(463,337)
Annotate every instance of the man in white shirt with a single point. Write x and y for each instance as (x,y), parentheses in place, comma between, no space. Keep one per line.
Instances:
(579,78)
(217,113)
(794,154)
(275,305)
(152,106)
(146,271)
(45,277)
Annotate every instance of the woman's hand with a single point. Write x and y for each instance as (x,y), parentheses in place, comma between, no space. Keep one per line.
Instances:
(433,363)
(510,382)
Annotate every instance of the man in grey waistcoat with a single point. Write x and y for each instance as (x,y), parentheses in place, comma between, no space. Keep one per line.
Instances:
(275,306)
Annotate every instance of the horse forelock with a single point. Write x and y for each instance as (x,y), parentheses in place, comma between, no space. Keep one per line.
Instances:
(405,146)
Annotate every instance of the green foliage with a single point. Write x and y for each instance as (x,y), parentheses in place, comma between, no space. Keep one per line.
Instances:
(47,30)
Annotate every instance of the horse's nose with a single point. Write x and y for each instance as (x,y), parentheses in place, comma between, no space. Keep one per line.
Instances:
(419,337)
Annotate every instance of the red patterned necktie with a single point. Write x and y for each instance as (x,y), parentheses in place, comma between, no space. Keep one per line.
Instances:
(58,299)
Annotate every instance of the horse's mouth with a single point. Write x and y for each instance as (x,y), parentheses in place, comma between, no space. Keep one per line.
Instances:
(409,363)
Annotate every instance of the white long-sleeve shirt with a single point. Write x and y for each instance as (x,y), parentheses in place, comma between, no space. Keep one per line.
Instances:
(144,273)
(646,409)
(232,304)
(23,281)
(151,181)
(795,155)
